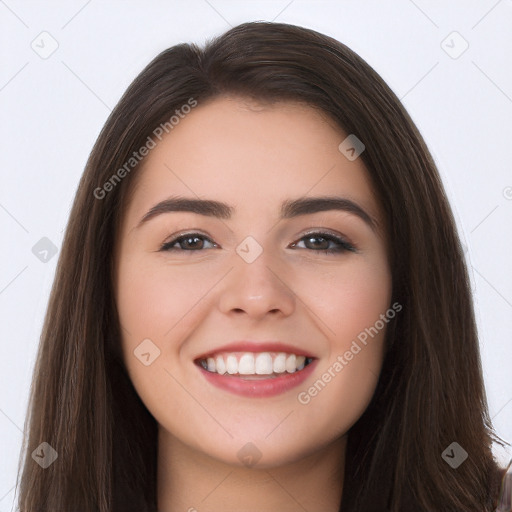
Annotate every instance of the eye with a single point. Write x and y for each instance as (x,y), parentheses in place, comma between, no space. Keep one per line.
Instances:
(317,242)
(326,243)
(187,242)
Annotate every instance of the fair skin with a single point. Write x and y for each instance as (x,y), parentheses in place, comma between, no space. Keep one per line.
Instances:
(252,157)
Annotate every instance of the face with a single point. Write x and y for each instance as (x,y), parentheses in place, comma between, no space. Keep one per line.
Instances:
(253,329)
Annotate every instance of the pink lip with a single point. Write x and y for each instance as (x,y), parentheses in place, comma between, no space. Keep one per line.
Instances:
(256,346)
(259,388)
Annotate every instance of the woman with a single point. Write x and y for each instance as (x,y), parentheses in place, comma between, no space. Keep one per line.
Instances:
(261,301)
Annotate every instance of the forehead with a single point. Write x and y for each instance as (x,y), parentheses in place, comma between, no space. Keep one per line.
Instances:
(251,155)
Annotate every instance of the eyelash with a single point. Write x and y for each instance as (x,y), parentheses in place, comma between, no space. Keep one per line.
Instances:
(343,245)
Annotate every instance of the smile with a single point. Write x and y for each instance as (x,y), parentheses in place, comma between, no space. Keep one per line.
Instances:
(255,364)
(256,374)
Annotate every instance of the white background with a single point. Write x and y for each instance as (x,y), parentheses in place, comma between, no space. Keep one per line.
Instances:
(53,109)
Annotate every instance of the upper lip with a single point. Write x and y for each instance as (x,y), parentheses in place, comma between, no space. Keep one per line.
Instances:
(257,346)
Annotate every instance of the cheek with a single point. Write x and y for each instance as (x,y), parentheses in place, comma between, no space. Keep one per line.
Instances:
(163,303)
(348,299)
(155,302)
(351,303)
(152,298)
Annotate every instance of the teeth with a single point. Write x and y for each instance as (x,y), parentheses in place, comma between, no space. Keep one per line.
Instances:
(280,363)
(246,365)
(290,363)
(249,363)
(232,365)
(263,364)
(300,361)
(220,366)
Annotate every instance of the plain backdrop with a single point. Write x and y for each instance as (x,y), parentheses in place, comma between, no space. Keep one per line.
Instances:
(449,62)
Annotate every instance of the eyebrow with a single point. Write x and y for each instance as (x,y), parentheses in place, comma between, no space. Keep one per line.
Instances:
(289,208)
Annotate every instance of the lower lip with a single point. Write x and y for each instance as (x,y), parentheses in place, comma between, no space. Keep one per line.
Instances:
(259,388)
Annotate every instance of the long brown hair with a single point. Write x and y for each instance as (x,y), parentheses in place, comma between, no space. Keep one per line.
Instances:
(430,391)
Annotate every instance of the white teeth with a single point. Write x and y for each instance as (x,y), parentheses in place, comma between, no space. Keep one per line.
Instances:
(263,364)
(220,365)
(280,363)
(231,365)
(246,365)
(290,363)
(249,363)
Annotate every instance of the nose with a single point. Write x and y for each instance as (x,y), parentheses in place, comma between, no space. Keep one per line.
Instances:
(256,289)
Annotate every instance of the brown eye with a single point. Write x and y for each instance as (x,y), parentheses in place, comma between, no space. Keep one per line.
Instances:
(326,243)
(188,242)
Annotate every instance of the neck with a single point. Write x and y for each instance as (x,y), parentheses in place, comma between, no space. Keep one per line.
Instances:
(190,481)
